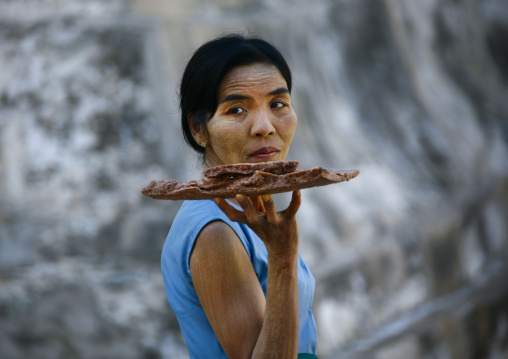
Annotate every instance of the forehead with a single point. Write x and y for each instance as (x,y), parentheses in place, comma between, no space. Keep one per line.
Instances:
(252,77)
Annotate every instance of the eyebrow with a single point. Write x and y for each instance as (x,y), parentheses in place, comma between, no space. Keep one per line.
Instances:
(279,91)
(234,97)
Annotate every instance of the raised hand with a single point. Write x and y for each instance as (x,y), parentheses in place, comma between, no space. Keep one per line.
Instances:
(278,230)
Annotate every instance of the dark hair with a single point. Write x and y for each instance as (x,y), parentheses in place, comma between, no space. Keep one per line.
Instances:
(209,65)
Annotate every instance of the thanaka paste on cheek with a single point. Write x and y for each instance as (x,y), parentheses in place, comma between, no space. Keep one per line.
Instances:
(221,131)
(226,142)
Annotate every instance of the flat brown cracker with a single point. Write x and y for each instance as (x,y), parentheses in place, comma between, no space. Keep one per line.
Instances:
(248,179)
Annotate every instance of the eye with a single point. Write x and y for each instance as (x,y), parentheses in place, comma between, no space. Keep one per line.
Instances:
(277,105)
(235,110)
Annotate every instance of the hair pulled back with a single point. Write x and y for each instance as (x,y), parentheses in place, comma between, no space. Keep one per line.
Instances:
(207,68)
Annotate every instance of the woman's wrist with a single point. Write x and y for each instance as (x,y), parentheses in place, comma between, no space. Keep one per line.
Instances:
(282,261)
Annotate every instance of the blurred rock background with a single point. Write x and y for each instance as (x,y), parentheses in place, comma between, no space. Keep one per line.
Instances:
(410,257)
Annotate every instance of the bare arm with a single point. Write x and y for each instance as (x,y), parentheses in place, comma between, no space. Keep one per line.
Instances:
(247,325)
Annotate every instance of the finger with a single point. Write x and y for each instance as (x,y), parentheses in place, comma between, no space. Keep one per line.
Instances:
(293,207)
(258,203)
(248,208)
(231,212)
(271,213)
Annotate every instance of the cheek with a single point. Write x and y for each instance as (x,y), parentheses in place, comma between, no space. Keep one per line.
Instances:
(226,134)
(287,127)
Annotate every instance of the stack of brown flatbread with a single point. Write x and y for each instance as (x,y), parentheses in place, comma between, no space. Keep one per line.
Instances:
(250,179)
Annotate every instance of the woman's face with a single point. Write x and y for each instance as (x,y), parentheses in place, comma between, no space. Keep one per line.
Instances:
(254,121)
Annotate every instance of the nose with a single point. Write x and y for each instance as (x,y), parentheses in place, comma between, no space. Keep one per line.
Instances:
(262,124)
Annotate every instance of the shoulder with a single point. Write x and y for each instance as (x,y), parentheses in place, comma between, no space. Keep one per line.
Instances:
(217,238)
(202,221)
(189,222)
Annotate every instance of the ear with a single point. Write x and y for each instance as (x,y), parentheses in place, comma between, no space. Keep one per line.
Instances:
(198,131)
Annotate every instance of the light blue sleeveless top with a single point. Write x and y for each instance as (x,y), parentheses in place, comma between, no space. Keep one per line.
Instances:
(199,335)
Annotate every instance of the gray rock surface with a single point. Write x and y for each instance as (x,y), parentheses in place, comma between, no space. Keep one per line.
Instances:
(409,257)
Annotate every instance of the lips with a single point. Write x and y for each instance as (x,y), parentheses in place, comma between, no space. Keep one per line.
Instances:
(264,152)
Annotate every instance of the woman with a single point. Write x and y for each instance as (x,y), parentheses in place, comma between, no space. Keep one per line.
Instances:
(231,269)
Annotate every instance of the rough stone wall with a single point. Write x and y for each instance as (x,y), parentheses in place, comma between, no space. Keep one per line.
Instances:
(79,246)
(410,257)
